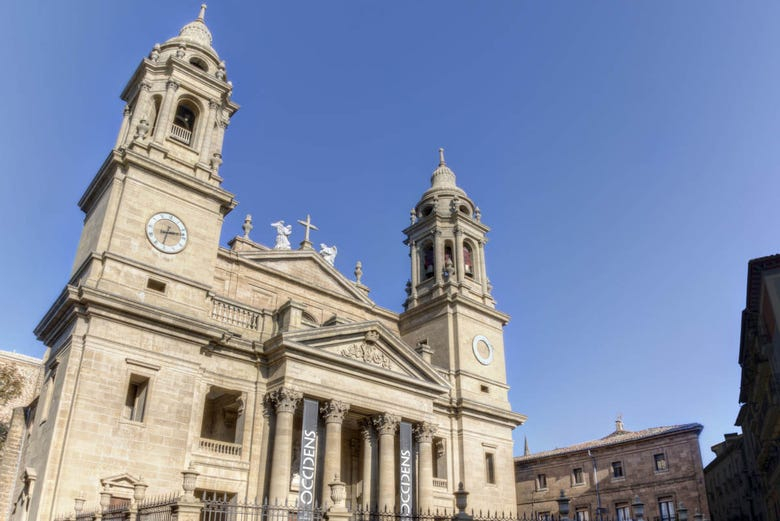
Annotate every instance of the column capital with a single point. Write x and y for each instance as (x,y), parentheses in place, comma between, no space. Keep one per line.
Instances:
(386,424)
(213,104)
(423,432)
(171,85)
(145,85)
(366,429)
(334,411)
(285,399)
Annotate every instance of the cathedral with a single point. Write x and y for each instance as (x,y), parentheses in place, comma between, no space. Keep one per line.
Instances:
(260,368)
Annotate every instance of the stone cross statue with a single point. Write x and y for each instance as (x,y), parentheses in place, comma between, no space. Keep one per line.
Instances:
(282,232)
(328,253)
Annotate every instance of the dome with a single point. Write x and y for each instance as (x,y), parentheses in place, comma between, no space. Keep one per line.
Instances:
(443,177)
(196,31)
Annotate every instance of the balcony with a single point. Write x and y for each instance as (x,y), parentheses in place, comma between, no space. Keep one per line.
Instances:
(181,134)
(234,314)
(440,483)
(221,448)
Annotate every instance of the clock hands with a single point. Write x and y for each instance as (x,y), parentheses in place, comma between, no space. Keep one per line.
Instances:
(168,231)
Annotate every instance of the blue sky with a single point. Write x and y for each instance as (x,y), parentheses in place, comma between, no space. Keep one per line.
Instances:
(623,152)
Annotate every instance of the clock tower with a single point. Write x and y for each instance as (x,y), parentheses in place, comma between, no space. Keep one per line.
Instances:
(154,211)
(450,316)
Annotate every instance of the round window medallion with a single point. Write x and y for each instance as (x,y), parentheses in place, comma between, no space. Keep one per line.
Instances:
(483,350)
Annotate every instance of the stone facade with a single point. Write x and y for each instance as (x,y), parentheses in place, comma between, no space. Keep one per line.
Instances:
(659,467)
(732,491)
(167,351)
(759,395)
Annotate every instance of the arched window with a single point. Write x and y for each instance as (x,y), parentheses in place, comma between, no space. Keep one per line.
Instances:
(184,122)
(468,260)
(200,64)
(428,263)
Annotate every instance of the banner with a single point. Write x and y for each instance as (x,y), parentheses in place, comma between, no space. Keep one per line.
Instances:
(308,468)
(406,485)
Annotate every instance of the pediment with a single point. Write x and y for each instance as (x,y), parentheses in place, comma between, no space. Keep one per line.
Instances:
(368,347)
(120,485)
(309,268)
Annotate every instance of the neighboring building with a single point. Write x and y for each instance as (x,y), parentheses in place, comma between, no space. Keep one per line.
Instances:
(759,394)
(167,350)
(660,466)
(30,370)
(12,417)
(731,489)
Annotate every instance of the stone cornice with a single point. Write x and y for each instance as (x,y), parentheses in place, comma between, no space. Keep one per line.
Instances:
(124,157)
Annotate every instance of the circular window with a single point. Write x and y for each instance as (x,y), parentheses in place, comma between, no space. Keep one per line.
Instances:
(483,349)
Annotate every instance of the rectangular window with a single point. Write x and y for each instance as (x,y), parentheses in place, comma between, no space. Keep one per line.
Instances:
(581,514)
(135,402)
(666,508)
(623,513)
(490,471)
(578,476)
(617,469)
(660,462)
(541,482)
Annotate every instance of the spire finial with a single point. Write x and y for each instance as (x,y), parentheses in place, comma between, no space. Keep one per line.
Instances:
(441,157)
(202,14)
(526,452)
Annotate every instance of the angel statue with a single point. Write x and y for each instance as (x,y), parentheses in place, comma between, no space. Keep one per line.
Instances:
(328,253)
(282,232)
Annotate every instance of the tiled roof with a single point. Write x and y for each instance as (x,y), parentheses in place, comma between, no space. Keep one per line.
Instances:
(615,438)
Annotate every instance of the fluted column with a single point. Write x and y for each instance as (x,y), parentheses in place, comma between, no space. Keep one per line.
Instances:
(423,433)
(284,400)
(386,425)
(334,412)
(163,125)
(368,445)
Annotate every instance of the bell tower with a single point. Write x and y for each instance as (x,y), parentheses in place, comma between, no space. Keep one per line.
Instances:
(156,204)
(450,314)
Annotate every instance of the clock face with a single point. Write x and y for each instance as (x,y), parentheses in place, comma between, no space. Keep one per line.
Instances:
(166,232)
(483,349)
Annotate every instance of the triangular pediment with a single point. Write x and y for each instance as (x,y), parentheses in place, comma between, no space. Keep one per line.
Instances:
(120,485)
(309,268)
(368,347)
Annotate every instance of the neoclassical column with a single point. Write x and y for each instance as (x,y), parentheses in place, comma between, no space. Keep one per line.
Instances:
(366,431)
(460,266)
(438,255)
(205,142)
(386,425)
(334,412)
(162,127)
(482,268)
(284,400)
(423,433)
(415,257)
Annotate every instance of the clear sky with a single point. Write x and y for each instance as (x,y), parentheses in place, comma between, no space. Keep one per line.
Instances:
(624,153)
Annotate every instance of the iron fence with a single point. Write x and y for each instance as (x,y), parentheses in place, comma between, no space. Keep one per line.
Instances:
(231,510)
